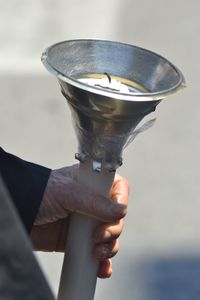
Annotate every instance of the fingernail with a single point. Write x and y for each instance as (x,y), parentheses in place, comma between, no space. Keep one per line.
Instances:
(120,210)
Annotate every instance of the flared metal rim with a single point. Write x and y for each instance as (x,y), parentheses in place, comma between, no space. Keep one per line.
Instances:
(149,96)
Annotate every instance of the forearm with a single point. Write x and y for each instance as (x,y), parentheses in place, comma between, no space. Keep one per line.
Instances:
(26,183)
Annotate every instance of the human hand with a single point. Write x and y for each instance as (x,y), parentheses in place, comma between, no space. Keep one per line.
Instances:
(64,195)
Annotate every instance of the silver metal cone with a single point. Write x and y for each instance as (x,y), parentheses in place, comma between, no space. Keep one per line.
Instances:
(105,114)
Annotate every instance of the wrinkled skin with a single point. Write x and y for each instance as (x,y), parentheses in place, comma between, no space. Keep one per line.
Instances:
(63,195)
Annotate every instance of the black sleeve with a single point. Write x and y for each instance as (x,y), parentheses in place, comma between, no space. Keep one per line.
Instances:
(26,183)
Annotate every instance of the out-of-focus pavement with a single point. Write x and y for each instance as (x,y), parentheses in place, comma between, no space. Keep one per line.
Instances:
(160,247)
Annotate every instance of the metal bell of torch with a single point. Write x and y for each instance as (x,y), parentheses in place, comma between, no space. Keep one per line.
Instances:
(110,87)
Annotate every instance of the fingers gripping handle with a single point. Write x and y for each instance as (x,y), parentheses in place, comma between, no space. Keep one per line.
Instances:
(79,271)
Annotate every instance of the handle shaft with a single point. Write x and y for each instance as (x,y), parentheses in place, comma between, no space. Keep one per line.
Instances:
(79,271)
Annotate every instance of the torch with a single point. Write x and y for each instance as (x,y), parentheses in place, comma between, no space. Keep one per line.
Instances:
(110,87)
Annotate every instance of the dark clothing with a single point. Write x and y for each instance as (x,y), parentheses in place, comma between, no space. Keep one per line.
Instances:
(26,183)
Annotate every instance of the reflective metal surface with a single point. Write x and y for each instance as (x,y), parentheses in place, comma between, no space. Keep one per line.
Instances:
(102,125)
(104,118)
(69,60)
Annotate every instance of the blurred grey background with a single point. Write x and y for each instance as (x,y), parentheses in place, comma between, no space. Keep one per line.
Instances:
(160,247)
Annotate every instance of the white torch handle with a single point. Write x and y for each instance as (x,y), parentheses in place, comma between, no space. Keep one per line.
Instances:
(79,271)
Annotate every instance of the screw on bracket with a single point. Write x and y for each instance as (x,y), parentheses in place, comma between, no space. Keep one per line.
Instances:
(96,166)
(81,157)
